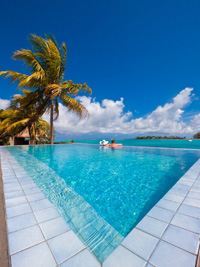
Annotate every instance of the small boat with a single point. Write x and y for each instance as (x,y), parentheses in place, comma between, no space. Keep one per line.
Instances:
(189,140)
(103,143)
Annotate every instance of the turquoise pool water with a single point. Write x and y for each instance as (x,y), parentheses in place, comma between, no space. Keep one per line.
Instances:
(117,186)
(195,144)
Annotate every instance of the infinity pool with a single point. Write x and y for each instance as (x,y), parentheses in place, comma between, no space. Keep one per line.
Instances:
(103,193)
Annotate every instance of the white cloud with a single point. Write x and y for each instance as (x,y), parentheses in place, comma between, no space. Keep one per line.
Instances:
(109,117)
(4,103)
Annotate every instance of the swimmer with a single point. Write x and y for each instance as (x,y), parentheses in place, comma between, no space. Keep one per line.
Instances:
(113,145)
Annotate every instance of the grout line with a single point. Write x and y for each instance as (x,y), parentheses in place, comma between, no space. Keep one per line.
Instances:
(42,209)
(173,217)
(175,212)
(37,221)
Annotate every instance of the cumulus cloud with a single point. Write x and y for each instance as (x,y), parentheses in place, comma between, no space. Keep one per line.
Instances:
(4,103)
(108,117)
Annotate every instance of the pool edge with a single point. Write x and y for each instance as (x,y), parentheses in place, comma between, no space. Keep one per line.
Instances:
(192,175)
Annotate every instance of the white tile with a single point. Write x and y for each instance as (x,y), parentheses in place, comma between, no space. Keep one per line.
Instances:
(182,187)
(11,184)
(18,210)
(20,222)
(82,259)
(122,257)
(192,202)
(185,182)
(54,227)
(27,182)
(15,201)
(12,189)
(195,189)
(182,238)
(161,214)
(46,214)
(29,186)
(14,194)
(39,255)
(33,190)
(169,205)
(186,222)
(190,211)
(152,226)
(173,197)
(65,246)
(167,255)
(24,238)
(193,195)
(140,243)
(35,197)
(40,204)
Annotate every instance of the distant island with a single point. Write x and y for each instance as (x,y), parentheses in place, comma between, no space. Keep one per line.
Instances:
(160,137)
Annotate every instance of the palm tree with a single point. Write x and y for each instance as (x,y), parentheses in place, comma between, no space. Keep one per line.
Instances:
(23,114)
(47,62)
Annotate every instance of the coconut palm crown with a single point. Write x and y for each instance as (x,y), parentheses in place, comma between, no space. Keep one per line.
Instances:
(47,63)
(23,113)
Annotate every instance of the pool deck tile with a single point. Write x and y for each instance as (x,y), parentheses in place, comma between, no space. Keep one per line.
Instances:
(38,236)
(24,238)
(35,197)
(189,211)
(152,226)
(40,204)
(46,214)
(20,222)
(123,257)
(39,255)
(167,255)
(192,202)
(161,214)
(82,259)
(173,197)
(65,246)
(186,222)
(182,238)
(143,244)
(15,201)
(14,194)
(169,205)
(18,210)
(54,227)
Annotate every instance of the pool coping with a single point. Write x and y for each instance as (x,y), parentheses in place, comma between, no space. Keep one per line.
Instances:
(174,216)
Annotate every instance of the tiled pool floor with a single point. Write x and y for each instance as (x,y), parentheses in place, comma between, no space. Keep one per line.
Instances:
(38,236)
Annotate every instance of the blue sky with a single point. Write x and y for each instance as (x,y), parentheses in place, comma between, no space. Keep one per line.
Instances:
(146,52)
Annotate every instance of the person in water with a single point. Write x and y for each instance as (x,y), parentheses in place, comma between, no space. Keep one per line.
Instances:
(113,145)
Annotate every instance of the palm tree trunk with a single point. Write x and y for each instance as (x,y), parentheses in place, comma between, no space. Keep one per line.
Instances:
(31,134)
(51,121)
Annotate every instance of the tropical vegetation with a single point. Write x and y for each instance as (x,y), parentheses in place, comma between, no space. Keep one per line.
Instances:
(197,135)
(47,63)
(23,113)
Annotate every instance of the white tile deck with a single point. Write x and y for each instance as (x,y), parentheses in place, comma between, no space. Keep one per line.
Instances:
(167,236)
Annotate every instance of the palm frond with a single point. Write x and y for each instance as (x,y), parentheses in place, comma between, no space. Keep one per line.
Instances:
(15,76)
(35,80)
(29,59)
(74,88)
(74,106)
(17,126)
(63,60)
